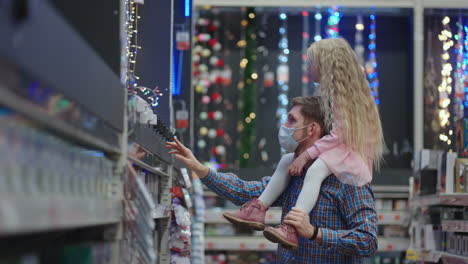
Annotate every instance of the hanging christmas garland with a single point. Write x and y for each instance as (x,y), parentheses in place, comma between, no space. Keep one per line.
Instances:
(333,30)
(282,72)
(459,73)
(445,87)
(318,25)
(371,64)
(305,46)
(359,40)
(248,113)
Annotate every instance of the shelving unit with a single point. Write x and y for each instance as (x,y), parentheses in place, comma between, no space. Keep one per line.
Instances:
(435,257)
(455,226)
(22,215)
(273,216)
(460,199)
(80,116)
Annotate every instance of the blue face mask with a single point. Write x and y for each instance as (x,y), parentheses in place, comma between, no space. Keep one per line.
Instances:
(286,139)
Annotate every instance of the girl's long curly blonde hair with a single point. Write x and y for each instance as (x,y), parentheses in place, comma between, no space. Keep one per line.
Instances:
(345,93)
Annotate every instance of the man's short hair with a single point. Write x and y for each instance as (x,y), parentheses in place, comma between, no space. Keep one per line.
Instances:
(311,109)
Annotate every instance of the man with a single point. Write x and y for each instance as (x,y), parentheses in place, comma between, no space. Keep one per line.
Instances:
(344,215)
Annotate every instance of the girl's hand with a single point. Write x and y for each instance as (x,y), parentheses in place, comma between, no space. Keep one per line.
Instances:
(295,169)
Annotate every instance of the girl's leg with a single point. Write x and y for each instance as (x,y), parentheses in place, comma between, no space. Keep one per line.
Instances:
(314,177)
(279,181)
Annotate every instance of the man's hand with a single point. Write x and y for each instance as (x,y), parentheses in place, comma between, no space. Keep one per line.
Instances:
(300,221)
(295,169)
(185,155)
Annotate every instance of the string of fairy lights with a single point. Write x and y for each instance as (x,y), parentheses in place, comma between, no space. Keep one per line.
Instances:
(333,23)
(131,47)
(445,87)
(282,72)
(459,73)
(465,67)
(318,25)
(371,64)
(305,46)
(359,40)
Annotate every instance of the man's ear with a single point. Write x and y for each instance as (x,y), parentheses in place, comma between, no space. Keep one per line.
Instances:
(315,129)
(312,129)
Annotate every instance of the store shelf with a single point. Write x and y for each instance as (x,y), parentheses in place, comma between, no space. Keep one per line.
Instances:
(273,216)
(239,243)
(435,256)
(20,214)
(393,244)
(152,141)
(455,225)
(262,244)
(145,166)
(29,110)
(460,199)
(391,217)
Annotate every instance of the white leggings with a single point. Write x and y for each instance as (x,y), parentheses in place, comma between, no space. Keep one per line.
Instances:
(314,177)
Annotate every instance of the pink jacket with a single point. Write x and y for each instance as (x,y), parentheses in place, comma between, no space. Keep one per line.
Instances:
(346,164)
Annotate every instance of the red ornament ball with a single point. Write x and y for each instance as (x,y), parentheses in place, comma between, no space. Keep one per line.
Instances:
(215,96)
(223,166)
(220,132)
(220,63)
(211,115)
(212,42)
(212,28)
(213,150)
(219,80)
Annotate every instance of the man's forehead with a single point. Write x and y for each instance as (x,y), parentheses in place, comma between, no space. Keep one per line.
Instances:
(295,111)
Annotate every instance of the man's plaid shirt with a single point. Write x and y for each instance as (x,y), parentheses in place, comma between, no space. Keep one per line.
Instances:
(345,213)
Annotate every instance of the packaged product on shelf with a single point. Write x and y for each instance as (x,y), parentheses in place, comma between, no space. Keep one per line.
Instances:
(400,205)
(180,231)
(461,175)
(445,172)
(432,237)
(394,231)
(428,159)
(378,204)
(428,181)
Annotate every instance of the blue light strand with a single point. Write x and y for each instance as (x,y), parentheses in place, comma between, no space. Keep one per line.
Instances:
(459,73)
(282,71)
(358,40)
(305,46)
(334,17)
(187,8)
(371,64)
(318,24)
(465,68)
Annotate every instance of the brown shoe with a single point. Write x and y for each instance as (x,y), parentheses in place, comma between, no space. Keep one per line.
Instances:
(251,215)
(283,234)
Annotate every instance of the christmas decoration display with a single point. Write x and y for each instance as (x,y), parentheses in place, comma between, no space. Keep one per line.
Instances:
(305,46)
(248,93)
(445,87)
(210,77)
(318,25)
(334,17)
(371,64)
(459,86)
(358,39)
(282,72)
